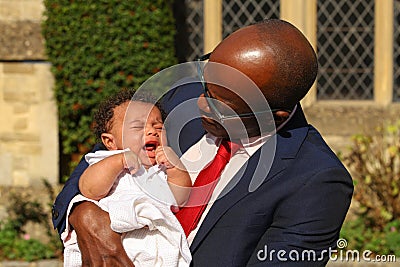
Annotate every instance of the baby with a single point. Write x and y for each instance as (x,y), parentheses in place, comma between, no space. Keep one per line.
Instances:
(138,180)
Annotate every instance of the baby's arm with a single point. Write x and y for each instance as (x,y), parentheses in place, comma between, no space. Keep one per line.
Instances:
(178,178)
(97,180)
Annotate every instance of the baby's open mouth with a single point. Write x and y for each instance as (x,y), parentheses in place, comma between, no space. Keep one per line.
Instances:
(150,147)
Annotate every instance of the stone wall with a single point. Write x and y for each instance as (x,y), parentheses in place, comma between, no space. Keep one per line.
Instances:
(20,36)
(338,121)
(28,121)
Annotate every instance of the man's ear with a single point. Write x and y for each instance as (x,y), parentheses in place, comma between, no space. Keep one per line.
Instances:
(281,116)
(109,141)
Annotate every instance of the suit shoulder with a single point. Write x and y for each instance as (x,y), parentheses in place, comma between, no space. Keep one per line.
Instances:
(316,146)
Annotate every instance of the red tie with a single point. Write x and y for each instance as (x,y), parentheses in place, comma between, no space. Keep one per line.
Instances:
(204,186)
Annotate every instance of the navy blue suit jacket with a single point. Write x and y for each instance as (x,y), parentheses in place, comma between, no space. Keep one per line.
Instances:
(291,219)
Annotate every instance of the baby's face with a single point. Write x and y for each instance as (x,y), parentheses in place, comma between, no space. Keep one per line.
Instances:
(139,127)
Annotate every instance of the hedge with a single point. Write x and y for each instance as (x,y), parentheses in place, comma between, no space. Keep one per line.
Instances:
(98,47)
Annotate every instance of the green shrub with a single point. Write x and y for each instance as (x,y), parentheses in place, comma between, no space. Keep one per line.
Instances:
(15,242)
(15,245)
(374,162)
(98,47)
(361,237)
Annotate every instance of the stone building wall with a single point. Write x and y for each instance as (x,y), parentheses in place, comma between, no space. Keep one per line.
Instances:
(28,120)
(338,121)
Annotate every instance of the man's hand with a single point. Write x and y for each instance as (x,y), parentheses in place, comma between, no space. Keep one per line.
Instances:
(99,245)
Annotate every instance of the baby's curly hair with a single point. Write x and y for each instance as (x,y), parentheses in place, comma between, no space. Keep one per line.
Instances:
(103,117)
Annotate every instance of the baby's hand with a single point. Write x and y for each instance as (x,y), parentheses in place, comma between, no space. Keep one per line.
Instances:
(167,157)
(131,162)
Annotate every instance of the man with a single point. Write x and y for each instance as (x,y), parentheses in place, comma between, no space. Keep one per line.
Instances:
(294,213)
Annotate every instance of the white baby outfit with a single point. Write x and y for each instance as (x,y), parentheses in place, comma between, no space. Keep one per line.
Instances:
(140,208)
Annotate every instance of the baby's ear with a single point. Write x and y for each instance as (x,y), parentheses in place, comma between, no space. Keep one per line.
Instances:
(109,141)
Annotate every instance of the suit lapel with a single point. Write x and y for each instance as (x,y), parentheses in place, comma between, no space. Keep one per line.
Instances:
(267,168)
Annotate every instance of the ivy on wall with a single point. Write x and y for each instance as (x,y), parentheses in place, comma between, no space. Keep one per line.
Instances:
(98,47)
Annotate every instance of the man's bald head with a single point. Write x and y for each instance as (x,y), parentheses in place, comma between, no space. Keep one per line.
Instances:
(276,56)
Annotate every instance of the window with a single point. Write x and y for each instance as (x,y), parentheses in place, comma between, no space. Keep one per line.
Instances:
(345,49)
(239,13)
(396,52)
(195,27)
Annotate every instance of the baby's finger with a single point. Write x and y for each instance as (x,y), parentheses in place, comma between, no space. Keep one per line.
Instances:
(160,158)
(159,150)
(164,161)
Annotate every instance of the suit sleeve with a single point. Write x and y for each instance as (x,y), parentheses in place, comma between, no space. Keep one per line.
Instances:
(69,190)
(306,226)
